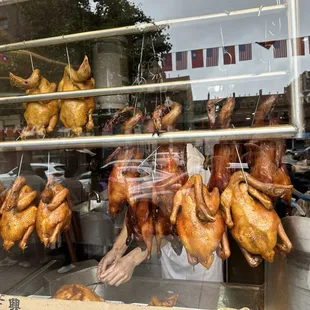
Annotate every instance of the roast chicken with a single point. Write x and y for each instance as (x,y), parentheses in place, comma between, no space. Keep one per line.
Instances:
(224,153)
(77,292)
(41,116)
(248,212)
(18,214)
(265,157)
(168,302)
(199,222)
(76,113)
(54,213)
(2,196)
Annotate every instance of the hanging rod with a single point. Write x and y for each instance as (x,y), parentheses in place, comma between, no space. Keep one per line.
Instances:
(144,88)
(135,29)
(246,133)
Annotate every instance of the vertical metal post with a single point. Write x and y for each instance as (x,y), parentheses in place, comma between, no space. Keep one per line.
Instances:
(297,110)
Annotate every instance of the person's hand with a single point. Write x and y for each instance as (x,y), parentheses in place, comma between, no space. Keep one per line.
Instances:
(119,272)
(110,258)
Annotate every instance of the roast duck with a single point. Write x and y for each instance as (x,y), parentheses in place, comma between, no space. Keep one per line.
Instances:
(249,214)
(265,157)
(54,213)
(199,222)
(18,214)
(168,302)
(224,152)
(76,114)
(41,116)
(76,292)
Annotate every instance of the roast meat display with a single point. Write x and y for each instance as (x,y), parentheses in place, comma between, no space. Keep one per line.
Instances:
(42,116)
(18,214)
(54,213)
(77,113)
(76,292)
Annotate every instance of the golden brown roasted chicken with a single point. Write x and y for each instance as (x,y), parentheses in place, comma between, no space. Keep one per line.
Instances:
(77,113)
(265,157)
(250,216)
(42,116)
(168,302)
(54,214)
(77,292)
(18,214)
(224,153)
(199,222)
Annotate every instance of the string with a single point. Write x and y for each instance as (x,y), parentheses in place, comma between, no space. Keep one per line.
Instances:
(68,60)
(31,61)
(20,164)
(241,165)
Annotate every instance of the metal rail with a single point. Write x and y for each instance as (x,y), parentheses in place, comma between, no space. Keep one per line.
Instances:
(297,109)
(144,88)
(139,28)
(283,131)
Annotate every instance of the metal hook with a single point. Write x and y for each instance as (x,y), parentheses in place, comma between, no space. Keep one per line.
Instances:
(31,61)
(68,60)
(260,10)
(20,164)
(255,108)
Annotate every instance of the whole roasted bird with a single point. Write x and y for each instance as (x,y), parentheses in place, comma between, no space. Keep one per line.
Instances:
(166,115)
(77,113)
(54,214)
(76,292)
(41,116)
(122,183)
(265,157)
(248,212)
(18,214)
(199,222)
(167,302)
(170,162)
(224,153)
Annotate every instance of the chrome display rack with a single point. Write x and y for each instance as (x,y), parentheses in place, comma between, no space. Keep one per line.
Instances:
(293,130)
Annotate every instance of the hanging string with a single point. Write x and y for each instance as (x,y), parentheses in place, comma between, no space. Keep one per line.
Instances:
(241,164)
(20,164)
(31,61)
(68,60)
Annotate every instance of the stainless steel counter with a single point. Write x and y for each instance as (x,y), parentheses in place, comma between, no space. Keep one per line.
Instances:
(192,294)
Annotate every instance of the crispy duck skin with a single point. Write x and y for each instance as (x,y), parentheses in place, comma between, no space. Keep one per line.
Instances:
(166,115)
(168,302)
(201,238)
(76,292)
(54,213)
(252,221)
(77,113)
(265,157)
(41,117)
(18,214)
(224,153)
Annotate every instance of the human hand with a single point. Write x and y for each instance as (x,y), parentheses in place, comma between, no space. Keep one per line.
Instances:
(110,258)
(119,272)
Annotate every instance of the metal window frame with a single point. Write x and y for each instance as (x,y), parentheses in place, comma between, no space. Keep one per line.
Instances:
(294,130)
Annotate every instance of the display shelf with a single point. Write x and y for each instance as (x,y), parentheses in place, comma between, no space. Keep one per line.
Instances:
(246,133)
(138,28)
